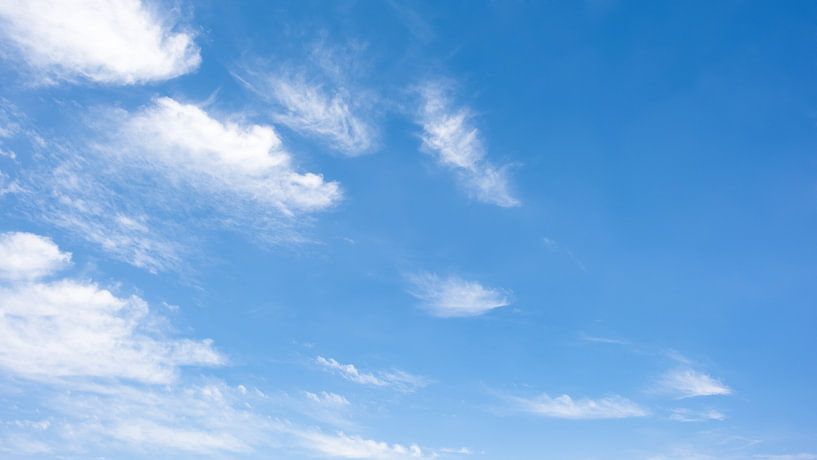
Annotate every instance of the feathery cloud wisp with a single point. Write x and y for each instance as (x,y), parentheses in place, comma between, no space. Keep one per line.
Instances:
(453,296)
(115,42)
(456,144)
(689,383)
(566,407)
(400,380)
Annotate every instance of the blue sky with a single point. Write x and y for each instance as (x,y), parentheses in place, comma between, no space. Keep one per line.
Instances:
(408,230)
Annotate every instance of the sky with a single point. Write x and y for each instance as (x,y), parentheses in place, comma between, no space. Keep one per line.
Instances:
(393,230)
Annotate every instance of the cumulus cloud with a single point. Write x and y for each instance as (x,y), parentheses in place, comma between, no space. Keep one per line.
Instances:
(565,407)
(456,144)
(107,372)
(400,380)
(69,328)
(689,383)
(106,41)
(131,187)
(25,256)
(453,296)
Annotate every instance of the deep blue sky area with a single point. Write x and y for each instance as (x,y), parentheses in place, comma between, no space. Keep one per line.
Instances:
(408,230)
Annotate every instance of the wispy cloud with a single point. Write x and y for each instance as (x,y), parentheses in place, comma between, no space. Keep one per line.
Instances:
(116,42)
(318,97)
(400,380)
(689,383)
(131,185)
(452,296)
(689,415)
(455,143)
(565,407)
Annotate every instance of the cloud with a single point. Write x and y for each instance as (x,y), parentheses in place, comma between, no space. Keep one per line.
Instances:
(688,383)
(565,407)
(314,109)
(112,42)
(107,374)
(131,187)
(455,297)
(344,446)
(327,398)
(688,415)
(25,256)
(457,145)
(68,328)
(400,380)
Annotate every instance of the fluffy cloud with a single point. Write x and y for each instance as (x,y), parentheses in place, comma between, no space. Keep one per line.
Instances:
(400,380)
(688,383)
(108,374)
(24,256)
(456,144)
(455,297)
(567,408)
(69,328)
(107,41)
(185,143)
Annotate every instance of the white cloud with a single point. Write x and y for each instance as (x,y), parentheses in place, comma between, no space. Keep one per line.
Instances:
(327,399)
(315,108)
(455,297)
(25,256)
(565,407)
(688,415)
(70,328)
(688,383)
(344,446)
(131,189)
(185,143)
(456,144)
(400,380)
(107,41)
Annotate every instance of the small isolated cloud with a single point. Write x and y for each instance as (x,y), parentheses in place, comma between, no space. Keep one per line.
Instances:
(345,446)
(25,256)
(313,108)
(148,180)
(70,328)
(453,296)
(326,398)
(689,415)
(114,42)
(565,407)
(455,143)
(689,383)
(320,96)
(400,380)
